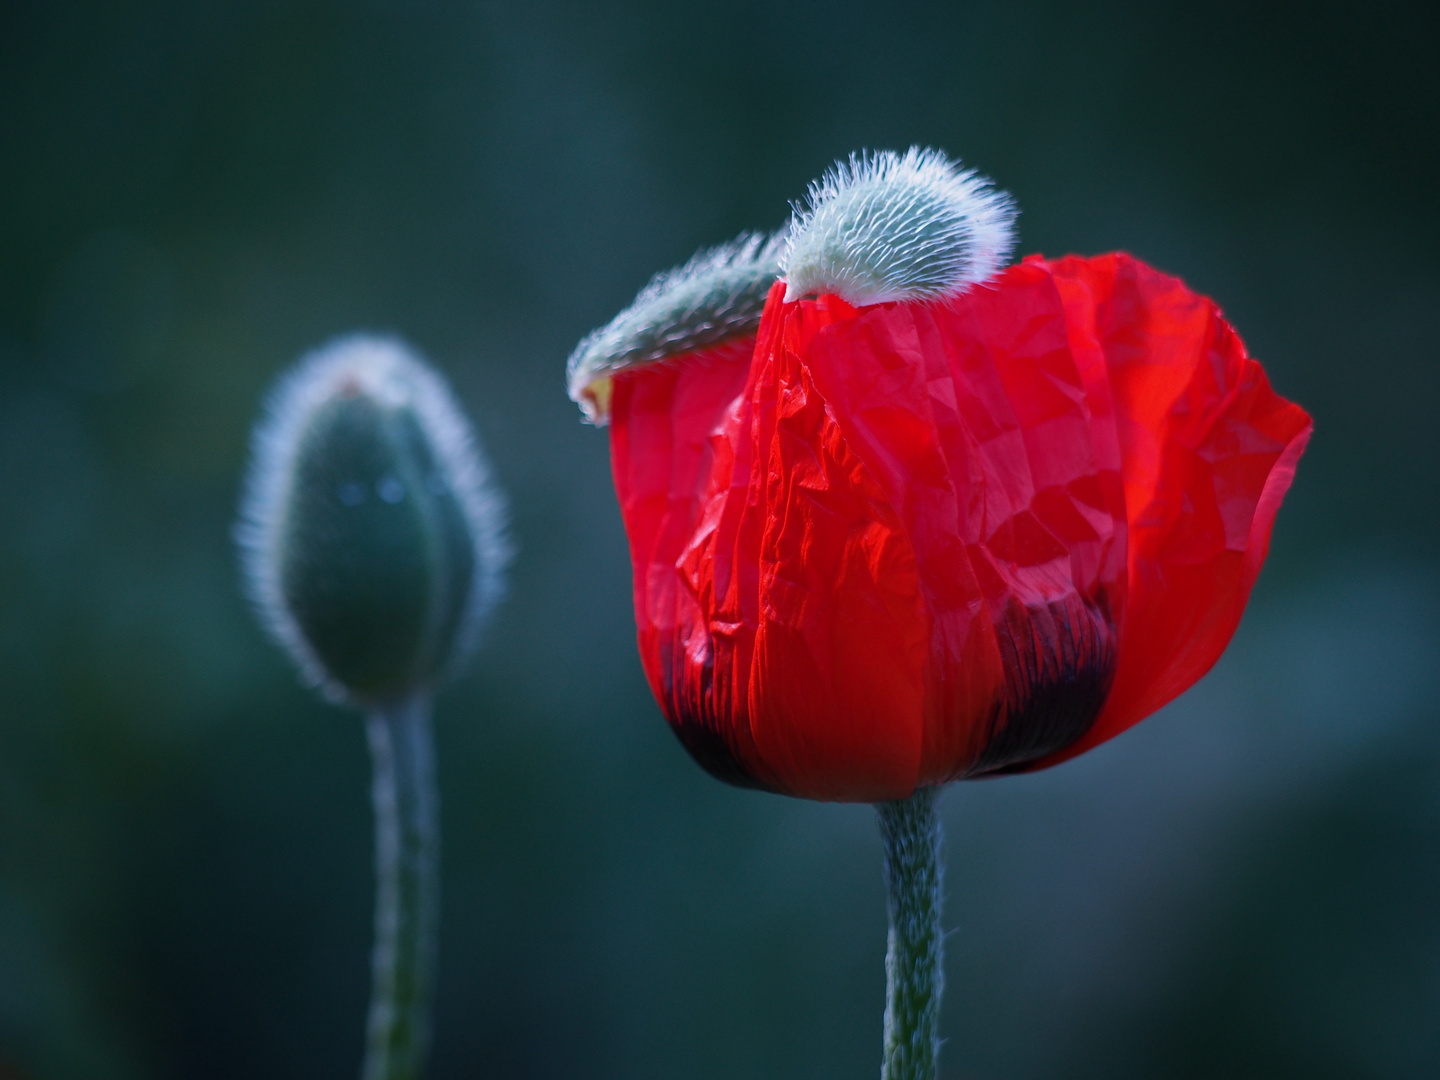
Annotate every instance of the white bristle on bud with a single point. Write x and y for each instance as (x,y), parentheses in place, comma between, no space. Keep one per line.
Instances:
(886,226)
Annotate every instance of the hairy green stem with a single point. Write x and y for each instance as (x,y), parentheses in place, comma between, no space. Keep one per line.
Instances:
(407,851)
(914,957)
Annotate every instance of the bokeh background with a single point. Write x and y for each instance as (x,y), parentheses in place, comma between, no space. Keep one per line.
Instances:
(193,194)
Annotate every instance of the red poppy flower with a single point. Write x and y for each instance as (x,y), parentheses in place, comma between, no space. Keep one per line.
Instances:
(882,547)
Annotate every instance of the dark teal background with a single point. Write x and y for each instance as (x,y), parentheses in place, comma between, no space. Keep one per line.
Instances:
(192,195)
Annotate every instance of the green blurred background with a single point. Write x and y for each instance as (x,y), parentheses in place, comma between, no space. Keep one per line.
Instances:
(191,195)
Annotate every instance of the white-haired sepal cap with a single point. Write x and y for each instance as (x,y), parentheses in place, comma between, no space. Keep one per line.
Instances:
(886,226)
(372,537)
(716,297)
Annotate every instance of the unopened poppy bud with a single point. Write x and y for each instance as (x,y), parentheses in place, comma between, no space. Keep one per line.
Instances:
(714,298)
(372,538)
(887,226)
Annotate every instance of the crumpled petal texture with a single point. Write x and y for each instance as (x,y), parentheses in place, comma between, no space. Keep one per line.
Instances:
(885,547)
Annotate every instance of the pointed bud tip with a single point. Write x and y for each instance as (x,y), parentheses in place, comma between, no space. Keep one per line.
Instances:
(371,535)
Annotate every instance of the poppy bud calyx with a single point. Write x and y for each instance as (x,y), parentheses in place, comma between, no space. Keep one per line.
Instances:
(888,226)
(714,298)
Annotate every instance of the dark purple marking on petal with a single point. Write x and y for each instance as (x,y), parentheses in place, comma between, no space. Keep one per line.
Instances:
(1059,663)
(690,708)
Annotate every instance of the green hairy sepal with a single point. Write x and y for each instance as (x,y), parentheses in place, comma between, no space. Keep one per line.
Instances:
(884,227)
(715,297)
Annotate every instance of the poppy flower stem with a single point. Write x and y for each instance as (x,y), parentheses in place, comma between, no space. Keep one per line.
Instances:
(914,956)
(407,848)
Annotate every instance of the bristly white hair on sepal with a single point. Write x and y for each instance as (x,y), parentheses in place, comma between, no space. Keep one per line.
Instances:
(887,226)
(372,536)
(715,297)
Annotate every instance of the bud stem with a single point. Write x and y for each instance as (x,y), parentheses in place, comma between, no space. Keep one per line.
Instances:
(407,848)
(914,957)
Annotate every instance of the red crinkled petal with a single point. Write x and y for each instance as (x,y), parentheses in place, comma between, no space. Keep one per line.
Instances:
(775,596)
(1209,451)
(837,687)
(664,450)
(996,446)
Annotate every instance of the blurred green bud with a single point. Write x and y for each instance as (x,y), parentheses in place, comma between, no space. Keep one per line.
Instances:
(372,538)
